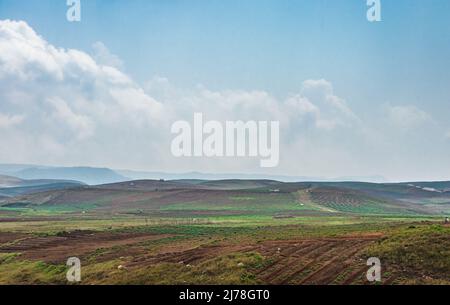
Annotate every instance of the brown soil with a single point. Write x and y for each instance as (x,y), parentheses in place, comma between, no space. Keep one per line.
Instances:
(10,237)
(319,261)
(305,261)
(292,262)
(57,249)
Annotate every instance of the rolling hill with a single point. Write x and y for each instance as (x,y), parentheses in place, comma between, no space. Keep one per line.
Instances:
(186,198)
(85,174)
(12,186)
(8,181)
(88,175)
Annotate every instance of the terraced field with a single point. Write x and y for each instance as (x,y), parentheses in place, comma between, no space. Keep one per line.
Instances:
(357,202)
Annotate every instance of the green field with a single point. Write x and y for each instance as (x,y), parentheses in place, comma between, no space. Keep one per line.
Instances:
(215,233)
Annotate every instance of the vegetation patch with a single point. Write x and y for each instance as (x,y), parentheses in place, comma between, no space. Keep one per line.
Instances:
(419,252)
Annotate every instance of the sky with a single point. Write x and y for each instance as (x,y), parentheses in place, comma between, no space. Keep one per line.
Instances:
(353,98)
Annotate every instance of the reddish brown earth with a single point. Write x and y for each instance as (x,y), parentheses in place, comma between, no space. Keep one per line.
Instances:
(320,261)
(293,262)
(10,237)
(57,249)
(303,261)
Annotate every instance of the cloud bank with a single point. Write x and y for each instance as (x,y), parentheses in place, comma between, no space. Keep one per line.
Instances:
(68,107)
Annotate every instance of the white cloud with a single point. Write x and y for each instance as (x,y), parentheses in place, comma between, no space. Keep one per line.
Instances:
(407,117)
(318,102)
(64,98)
(80,124)
(66,107)
(7,121)
(83,109)
(103,56)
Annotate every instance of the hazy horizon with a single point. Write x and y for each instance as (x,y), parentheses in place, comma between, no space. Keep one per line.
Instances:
(136,174)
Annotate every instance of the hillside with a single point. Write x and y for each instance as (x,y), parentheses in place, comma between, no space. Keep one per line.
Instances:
(8,181)
(87,175)
(12,186)
(51,186)
(237,197)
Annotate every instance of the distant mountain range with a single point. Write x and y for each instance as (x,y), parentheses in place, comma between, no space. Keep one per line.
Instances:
(8,181)
(13,186)
(139,175)
(97,176)
(88,175)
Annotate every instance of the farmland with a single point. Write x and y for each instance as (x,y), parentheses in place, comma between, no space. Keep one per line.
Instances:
(226,232)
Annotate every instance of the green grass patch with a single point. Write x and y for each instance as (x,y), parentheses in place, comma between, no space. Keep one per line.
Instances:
(422,251)
(232,269)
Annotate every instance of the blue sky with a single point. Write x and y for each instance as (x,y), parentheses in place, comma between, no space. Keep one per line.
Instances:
(275,46)
(253,44)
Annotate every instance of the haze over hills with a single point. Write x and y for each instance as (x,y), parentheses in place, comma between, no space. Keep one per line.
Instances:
(96,176)
(8,181)
(13,186)
(140,175)
(88,175)
(12,182)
